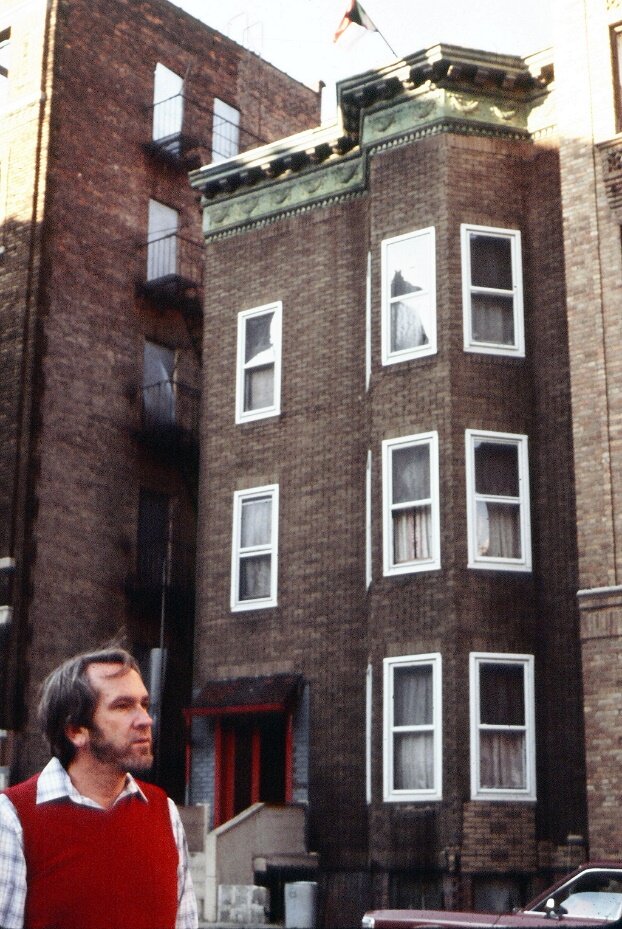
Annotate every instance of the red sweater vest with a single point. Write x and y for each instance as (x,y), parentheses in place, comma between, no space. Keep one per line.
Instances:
(98,869)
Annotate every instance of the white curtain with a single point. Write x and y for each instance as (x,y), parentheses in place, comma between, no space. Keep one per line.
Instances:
(256,522)
(259,358)
(408,328)
(412,534)
(498,530)
(255,577)
(413,752)
(256,529)
(259,388)
(502,760)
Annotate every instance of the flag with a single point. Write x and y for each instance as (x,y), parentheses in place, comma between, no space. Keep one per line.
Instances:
(354,14)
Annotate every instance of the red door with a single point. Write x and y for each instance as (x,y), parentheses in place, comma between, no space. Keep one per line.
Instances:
(253,758)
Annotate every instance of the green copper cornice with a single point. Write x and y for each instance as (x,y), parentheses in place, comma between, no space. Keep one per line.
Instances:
(441,89)
(293,193)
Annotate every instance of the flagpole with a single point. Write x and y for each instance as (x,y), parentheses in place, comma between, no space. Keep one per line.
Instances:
(356,14)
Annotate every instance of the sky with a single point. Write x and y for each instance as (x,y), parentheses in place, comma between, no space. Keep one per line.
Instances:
(297,35)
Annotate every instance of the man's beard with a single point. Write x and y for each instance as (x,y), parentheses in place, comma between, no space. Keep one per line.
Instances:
(124,759)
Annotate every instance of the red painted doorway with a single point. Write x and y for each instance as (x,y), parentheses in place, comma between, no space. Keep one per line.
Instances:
(252,761)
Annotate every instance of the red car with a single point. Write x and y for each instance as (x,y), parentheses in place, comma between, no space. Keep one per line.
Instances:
(590,896)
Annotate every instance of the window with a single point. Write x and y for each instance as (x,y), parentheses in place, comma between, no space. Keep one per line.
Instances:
(162,241)
(616,59)
(154,538)
(159,364)
(412,728)
(168,103)
(411,511)
(225,131)
(408,296)
(502,727)
(498,501)
(492,291)
(259,363)
(254,568)
(5,46)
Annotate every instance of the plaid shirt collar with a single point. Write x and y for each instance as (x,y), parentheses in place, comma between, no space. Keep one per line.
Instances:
(55,784)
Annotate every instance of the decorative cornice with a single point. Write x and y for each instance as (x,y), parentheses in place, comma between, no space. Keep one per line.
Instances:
(443,89)
(299,192)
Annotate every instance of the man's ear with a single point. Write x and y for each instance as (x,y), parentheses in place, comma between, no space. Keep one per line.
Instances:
(77,735)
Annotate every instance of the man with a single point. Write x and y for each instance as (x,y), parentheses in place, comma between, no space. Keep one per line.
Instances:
(83,845)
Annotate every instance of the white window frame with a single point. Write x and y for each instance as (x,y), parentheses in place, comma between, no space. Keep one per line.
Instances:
(391,794)
(496,562)
(390,567)
(389,356)
(274,409)
(271,492)
(528,793)
(517,349)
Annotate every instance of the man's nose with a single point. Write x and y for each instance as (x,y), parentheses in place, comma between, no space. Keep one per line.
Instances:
(143,718)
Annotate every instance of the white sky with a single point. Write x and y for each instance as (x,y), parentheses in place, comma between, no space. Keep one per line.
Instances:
(297,35)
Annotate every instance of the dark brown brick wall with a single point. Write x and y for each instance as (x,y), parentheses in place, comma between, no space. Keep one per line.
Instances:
(326,625)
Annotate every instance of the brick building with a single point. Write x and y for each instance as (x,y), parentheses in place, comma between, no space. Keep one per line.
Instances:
(589,70)
(104,106)
(387,621)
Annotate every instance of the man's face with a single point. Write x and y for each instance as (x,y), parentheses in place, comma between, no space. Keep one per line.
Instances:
(120,734)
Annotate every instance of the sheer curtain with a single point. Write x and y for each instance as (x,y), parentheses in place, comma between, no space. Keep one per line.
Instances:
(259,358)
(413,752)
(408,325)
(498,521)
(492,315)
(492,319)
(412,526)
(256,531)
(412,534)
(502,705)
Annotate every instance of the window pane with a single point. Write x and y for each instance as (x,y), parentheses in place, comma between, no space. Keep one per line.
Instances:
(225,131)
(491,261)
(168,102)
(412,535)
(498,530)
(256,522)
(255,577)
(413,761)
(258,388)
(158,386)
(411,473)
(410,323)
(496,469)
(492,319)
(259,338)
(409,265)
(502,694)
(412,696)
(503,760)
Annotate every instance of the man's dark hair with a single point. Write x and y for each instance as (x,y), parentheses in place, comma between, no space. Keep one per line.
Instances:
(69,698)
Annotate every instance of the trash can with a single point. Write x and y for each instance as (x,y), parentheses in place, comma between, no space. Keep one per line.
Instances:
(300,905)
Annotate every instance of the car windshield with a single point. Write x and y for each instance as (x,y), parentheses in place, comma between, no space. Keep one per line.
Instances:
(591,895)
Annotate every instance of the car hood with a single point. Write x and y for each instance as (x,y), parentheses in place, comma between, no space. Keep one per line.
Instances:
(408,919)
